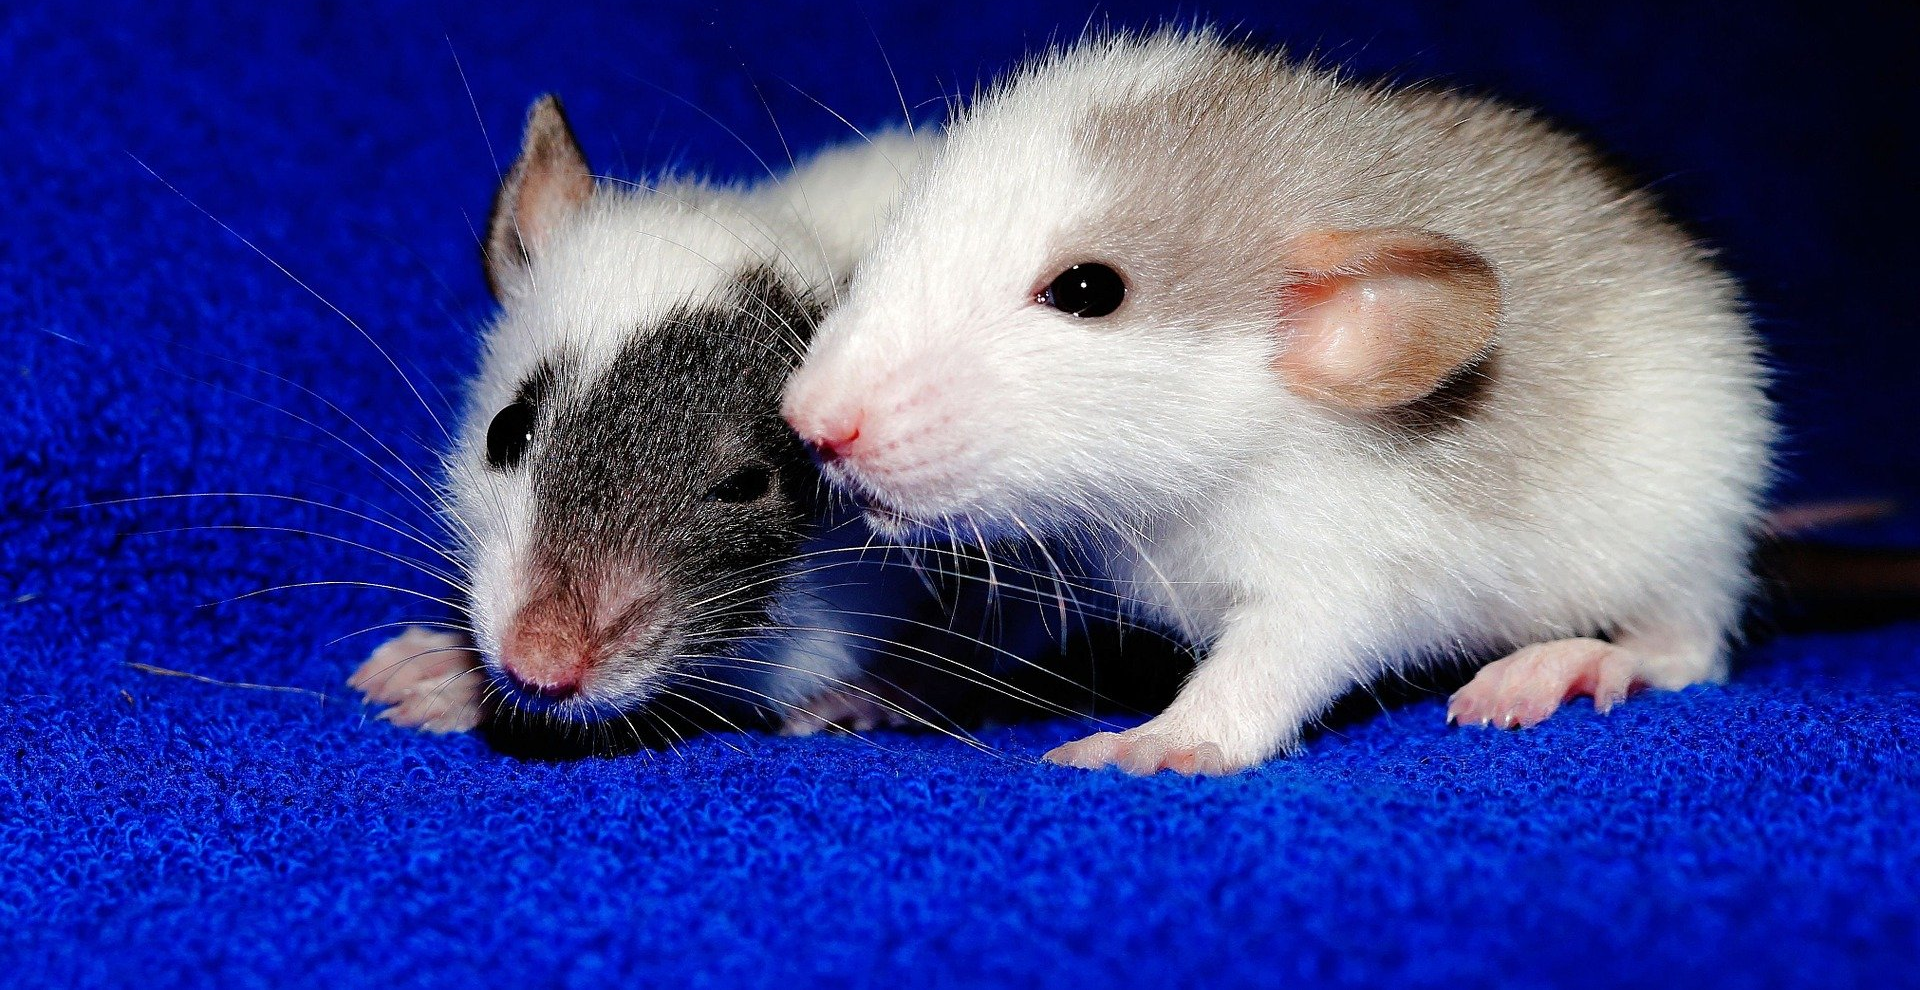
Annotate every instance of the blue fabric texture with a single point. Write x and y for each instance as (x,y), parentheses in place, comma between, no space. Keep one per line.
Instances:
(159,830)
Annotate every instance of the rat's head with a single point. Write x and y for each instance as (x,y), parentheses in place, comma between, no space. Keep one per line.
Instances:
(1106,294)
(623,486)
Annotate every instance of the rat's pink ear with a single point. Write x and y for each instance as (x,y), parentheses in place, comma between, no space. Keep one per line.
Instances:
(548,182)
(1372,319)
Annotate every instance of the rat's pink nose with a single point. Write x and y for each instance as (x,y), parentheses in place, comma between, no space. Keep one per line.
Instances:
(548,649)
(560,691)
(831,440)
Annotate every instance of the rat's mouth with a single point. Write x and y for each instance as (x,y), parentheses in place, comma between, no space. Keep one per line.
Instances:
(607,704)
(604,685)
(886,520)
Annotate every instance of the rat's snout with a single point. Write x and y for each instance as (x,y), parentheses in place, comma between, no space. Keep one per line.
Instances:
(550,692)
(854,414)
(827,422)
(886,426)
(830,444)
(555,643)
(549,648)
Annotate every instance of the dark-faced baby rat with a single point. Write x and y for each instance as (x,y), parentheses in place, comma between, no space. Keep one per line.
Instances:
(630,511)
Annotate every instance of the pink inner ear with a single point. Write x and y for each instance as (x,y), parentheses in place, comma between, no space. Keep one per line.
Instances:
(1372,319)
(1307,293)
(552,190)
(548,181)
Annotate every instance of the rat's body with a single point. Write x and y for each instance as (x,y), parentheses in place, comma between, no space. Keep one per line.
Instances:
(628,505)
(1383,377)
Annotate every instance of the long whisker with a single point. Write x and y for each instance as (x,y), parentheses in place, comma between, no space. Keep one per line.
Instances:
(954,668)
(906,115)
(401,624)
(729,723)
(1063,589)
(411,562)
(147,668)
(771,714)
(851,126)
(989,647)
(332,584)
(721,688)
(405,464)
(271,497)
(449,680)
(392,667)
(1003,565)
(493,158)
(392,481)
(812,230)
(658,717)
(717,122)
(961,736)
(408,382)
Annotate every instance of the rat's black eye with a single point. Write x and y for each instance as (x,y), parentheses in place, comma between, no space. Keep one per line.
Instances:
(1088,289)
(744,485)
(508,436)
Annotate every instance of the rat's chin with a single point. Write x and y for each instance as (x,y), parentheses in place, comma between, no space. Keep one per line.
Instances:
(889,522)
(897,524)
(917,515)
(939,521)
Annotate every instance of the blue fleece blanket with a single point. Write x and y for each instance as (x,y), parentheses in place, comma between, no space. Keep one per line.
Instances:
(160,830)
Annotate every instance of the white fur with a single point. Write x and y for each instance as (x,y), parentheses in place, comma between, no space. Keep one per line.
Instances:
(1611,483)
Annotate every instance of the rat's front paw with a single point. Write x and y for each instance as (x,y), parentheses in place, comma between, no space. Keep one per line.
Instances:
(432,680)
(1142,751)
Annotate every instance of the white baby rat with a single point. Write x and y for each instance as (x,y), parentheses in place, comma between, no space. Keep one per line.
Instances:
(1342,378)
(627,505)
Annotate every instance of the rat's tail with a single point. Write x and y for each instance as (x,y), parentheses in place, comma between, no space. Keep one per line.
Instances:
(1819,585)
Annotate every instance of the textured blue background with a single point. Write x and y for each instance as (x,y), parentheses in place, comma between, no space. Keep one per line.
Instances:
(153,830)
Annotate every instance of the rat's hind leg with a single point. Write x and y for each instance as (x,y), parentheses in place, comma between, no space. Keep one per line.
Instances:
(1522,689)
(433,681)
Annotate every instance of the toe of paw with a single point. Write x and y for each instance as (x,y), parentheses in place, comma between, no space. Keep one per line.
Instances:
(1090,753)
(1204,760)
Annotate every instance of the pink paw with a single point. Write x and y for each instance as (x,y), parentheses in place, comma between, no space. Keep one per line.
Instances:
(844,708)
(1142,753)
(1521,690)
(432,680)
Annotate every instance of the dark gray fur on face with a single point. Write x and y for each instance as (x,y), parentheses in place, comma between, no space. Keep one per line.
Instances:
(654,464)
(627,502)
